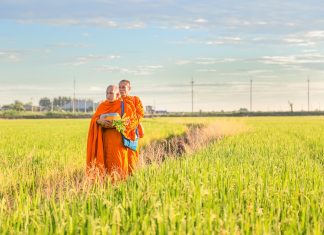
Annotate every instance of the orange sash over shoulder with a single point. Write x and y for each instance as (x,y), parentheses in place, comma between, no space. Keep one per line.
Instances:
(135,100)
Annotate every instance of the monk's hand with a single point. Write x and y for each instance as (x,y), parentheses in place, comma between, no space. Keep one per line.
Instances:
(105,123)
(102,122)
(108,124)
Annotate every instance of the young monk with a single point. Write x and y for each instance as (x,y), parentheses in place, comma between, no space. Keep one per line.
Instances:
(124,89)
(106,153)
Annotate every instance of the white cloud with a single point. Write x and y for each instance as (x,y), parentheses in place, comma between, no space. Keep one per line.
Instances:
(200,21)
(94,88)
(103,22)
(257,71)
(262,23)
(317,34)
(93,22)
(310,38)
(69,45)
(208,61)
(81,60)
(224,40)
(302,62)
(182,62)
(55,21)
(138,70)
(207,70)
(12,56)
(19,88)
(135,25)
(294,59)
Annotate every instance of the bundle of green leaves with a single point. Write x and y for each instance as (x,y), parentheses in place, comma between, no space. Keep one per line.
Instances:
(121,124)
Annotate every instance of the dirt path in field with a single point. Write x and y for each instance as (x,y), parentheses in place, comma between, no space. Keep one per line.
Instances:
(197,137)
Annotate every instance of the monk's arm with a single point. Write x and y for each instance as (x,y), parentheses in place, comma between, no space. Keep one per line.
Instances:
(139,108)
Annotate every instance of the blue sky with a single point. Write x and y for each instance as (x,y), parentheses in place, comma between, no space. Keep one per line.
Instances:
(160,46)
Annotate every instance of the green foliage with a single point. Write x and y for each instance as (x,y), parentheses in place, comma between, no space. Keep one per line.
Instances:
(18,106)
(45,103)
(269,180)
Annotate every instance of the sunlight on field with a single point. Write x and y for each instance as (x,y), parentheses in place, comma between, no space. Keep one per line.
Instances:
(265,176)
(49,147)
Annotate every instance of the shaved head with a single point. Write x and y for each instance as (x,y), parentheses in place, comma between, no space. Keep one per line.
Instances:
(124,87)
(112,93)
(112,88)
(125,81)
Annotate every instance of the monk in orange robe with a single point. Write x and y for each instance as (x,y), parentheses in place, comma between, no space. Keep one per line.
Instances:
(124,89)
(106,153)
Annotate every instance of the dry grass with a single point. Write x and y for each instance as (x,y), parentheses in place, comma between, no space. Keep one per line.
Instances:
(197,137)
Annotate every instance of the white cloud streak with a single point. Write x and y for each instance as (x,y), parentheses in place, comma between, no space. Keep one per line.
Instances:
(138,70)
(82,60)
(102,22)
(12,56)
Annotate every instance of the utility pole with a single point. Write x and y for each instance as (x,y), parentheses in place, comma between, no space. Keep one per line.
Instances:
(291,106)
(308,94)
(85,105)
(251,95)
(192,95)
(31,101)
(73,105)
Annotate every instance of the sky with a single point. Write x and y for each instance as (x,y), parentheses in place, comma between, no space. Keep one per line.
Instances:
(163,45)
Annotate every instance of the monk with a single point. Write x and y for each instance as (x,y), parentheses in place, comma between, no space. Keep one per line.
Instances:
(106,153)
(124,89)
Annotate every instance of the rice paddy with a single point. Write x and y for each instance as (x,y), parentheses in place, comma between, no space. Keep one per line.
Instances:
(266,179)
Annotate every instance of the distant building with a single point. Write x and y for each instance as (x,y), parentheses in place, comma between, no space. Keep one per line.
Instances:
(80,106)
(149,109)
(32,108)
(161,112)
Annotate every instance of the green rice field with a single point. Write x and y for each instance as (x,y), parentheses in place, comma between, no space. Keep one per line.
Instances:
(267,179)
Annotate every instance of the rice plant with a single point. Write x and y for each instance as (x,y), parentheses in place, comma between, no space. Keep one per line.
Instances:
(268,179)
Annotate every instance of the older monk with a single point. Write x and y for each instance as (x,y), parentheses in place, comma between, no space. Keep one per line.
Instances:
(124,89)
(106,153)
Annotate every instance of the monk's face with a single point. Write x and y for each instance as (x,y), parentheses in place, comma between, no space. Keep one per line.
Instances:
(124,88)
(112,94)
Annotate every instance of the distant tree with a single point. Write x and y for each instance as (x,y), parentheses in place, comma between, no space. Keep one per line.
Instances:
(243,110)
(7,107)
(45,103)
(61,101)
(18,106)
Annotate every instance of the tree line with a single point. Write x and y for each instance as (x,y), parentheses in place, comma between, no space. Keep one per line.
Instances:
(61,103)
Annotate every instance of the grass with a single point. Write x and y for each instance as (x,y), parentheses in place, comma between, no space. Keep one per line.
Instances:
(50,147)
(269,179)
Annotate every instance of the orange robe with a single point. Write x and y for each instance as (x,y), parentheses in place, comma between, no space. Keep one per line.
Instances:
(133,156)
(105,150)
